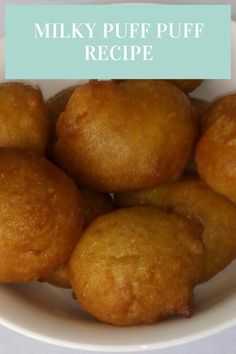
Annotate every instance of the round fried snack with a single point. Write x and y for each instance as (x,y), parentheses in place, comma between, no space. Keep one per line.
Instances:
(55,105)
(192,198)
(40,216)
(94,205)
(217,109)
(115,137)
(187,85)
(216,155)
(199,106)
(23,119)
(137,265)
(59,277)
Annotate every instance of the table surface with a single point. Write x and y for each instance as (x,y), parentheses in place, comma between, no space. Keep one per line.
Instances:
(11,342)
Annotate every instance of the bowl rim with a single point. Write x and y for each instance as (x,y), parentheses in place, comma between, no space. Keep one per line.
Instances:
(213,330)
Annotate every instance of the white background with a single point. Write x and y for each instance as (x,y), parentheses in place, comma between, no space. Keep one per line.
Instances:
(13,343)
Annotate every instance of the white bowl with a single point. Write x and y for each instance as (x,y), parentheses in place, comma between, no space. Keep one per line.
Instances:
(49,314)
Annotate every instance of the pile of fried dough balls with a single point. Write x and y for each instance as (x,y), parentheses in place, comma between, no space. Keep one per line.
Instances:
(123,190)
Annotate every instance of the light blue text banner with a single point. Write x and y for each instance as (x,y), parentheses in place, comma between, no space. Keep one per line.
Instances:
(118,41)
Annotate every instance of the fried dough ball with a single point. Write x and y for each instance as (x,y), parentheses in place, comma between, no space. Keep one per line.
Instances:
(192,198)
(119,137)
(40,216)
(217,109)
(187,85)
(94,205)
(59,277)
(55,105)
(137,265)
(23,119)
(199,106)
(216,155)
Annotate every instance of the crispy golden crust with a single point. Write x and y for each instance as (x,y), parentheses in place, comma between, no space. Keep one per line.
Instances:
(59,277)
(55,105)
(137,265)
(218,108)
(216,155)
(187,85)
(192,198)
(40,216)
(199,108)
(114,137)
(23,119)
(93,205)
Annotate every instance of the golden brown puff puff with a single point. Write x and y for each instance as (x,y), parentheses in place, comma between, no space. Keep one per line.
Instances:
(23,119)
(218,108)
(216,155)
(137,265)
(199,106)
(59,277)
(40,216)
(119,137)
(94,204)
(192,198)
(55,105)
(187,85)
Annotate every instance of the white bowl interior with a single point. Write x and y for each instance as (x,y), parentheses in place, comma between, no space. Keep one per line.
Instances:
(52,315)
